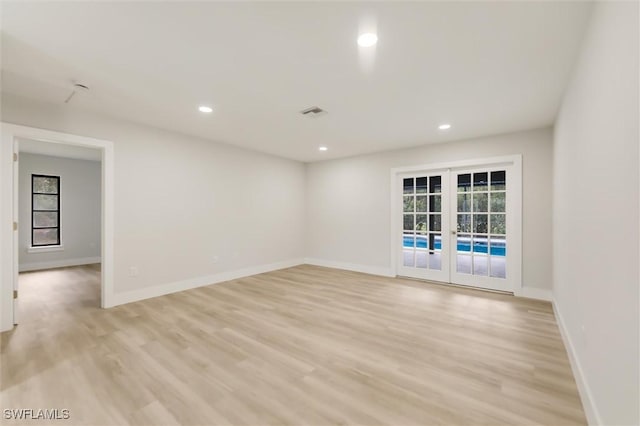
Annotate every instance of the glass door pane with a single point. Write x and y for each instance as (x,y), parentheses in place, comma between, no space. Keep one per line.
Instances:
(479,248)
(422,224)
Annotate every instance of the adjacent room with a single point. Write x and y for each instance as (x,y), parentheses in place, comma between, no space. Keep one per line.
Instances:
(51,279)
(313,213)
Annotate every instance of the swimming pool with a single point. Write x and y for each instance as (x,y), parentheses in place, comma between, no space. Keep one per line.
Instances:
(479,245)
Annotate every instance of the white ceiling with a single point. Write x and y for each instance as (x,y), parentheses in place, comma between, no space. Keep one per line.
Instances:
(59,150)
(485,67)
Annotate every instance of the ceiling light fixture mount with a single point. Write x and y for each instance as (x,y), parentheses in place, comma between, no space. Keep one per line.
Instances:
(205,109)
(76,87)
(367,40)
(445,126)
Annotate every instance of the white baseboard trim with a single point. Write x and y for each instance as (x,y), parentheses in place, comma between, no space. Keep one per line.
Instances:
(590,409)
(373,270)
(529,292)
(174,287)
(535,293)
(37,266)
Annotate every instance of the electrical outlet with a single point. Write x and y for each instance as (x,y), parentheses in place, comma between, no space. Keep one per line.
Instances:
(133,271)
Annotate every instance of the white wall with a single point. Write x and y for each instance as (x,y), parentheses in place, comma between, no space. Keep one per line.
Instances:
(348,207)
(80,187)
(595,218)
(180,201)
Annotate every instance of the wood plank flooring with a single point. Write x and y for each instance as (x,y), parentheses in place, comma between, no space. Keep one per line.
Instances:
(300,346)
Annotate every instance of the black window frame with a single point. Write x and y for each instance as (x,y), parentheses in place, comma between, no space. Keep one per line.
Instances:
(33,210)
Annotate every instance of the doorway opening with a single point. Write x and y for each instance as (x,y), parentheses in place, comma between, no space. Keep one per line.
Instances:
(59,227)
(45,239)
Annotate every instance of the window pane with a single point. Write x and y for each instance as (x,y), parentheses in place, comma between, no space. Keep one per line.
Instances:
(497,201)
(46,185)
(480,265)
(421,222)
(408,240)
(480,203)
(480,245)
(421,203)
(408,204)
(421,185)
(408,185)
(407,256)
(435,203)
(498,246)
(498,180)
(463,243)
(464,223)
(436,241)
(435,184)
(408,222)
(498,266)
(463,264)
(464,202)
(45,202)
(464,183)
(45,219)
(480,223)
(421,259)
(45,236)
(498,225)
(435,260)
(480,181)
(421,241)
(435,223)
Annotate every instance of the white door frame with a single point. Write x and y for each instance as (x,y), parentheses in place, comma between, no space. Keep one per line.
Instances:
(9,211)
(515,243)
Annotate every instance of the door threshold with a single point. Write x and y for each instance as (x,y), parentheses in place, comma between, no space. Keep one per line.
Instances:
(468,287)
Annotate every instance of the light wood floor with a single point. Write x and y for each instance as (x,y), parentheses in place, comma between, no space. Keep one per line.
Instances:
(305,345)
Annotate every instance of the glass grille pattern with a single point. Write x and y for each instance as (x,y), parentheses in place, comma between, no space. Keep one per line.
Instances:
(481,223)
(422,222)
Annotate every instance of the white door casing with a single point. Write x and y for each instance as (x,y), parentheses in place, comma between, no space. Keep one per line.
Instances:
(16,215)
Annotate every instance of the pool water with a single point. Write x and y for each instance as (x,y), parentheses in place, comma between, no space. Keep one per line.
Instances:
(497,249)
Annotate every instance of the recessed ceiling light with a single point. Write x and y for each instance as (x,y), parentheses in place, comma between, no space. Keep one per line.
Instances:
(367,39)
(445,126)
(323,148)
(204,108)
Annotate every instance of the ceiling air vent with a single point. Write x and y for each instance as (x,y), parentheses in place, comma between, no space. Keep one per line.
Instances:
(313,112)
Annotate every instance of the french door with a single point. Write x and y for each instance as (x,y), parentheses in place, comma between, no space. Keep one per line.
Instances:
(424,248)
(460,225)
